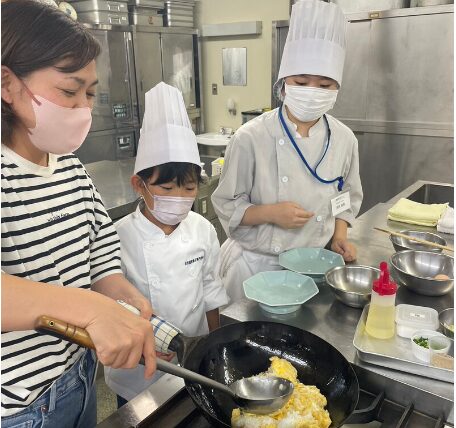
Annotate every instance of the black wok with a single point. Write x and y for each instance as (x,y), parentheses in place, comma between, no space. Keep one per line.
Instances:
(242,350)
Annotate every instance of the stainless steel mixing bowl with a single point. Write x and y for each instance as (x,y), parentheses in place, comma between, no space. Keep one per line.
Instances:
(352,284)
(446,318)
(401,244)
(417,270)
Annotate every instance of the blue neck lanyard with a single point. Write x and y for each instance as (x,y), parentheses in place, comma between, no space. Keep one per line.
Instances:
(340,180)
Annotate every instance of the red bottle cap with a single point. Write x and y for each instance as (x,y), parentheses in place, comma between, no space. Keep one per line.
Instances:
(384,286)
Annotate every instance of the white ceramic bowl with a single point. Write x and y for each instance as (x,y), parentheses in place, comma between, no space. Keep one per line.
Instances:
(424,354)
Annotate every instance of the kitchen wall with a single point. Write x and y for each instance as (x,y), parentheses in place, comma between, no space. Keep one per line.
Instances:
(257,93)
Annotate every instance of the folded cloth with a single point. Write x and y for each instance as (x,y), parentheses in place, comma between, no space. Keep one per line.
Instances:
(407,211)
(446,223)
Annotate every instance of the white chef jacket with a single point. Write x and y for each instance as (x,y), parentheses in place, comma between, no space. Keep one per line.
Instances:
(262,167)
(177,272)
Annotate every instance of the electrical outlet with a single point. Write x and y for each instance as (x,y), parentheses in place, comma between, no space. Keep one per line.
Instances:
(214,89)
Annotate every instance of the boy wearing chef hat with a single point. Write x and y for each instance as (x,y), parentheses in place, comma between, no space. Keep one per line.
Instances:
(291,176)
(169,252)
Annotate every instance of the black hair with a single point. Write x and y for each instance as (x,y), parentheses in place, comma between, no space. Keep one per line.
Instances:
(183,172)
(36,35)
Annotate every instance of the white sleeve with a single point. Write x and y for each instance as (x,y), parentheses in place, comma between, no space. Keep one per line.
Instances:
(214,292)
(232,196)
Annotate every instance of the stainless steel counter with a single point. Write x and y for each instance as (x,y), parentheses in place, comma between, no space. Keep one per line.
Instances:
(335,322)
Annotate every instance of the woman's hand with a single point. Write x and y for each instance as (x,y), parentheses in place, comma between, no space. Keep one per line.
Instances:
(121,337)
(289,215)
(166,357)
(345,248)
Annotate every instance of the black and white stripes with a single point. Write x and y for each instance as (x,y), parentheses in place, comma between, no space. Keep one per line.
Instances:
(55,229)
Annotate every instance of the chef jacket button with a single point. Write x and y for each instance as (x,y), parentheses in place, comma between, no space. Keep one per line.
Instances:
(155,282)
(281,142)
(284,179)
(319,218)
(276,249)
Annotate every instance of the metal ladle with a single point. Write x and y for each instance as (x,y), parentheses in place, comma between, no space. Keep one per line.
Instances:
(256,394)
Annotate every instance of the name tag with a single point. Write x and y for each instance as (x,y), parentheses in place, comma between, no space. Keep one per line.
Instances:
(340,203)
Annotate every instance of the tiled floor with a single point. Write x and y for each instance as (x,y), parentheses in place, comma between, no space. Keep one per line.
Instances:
(106,399)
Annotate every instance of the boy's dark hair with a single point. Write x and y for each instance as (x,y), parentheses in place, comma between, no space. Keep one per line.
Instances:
(35,36)
(183,172)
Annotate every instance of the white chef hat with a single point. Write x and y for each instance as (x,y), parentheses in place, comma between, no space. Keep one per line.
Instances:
(316,41)
(166,132)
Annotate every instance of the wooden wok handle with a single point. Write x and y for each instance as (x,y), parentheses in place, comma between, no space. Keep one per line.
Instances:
(164,332)
(62,329)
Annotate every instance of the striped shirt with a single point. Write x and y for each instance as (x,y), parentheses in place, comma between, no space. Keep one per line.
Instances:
(55,229)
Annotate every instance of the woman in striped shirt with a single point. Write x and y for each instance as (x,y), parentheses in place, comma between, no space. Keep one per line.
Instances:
(60,252)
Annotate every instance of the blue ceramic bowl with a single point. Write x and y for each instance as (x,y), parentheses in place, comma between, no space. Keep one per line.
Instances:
(313,262)
(280,292)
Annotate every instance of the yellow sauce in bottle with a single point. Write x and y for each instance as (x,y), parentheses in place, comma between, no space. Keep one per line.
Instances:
(380,321)
(382,310)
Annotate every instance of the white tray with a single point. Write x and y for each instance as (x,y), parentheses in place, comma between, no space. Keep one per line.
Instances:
(395,353)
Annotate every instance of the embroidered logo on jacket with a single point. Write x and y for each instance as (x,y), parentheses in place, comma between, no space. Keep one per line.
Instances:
(191,261)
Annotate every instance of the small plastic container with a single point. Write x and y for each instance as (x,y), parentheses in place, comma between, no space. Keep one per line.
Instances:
(381,316)
(440,345)
(410,318)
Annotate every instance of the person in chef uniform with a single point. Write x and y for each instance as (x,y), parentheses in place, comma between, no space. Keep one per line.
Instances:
(168,252)
(291,176)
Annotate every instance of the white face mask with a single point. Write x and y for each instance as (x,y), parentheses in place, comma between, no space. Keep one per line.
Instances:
(170,210)
(306,103)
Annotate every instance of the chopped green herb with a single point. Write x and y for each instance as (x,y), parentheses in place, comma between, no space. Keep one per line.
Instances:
(422,341)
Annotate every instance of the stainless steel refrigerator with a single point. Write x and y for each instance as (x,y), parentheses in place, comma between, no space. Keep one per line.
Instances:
(115,124)
(170,55)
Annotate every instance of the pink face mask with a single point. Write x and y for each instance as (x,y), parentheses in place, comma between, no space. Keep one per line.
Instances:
(59,130)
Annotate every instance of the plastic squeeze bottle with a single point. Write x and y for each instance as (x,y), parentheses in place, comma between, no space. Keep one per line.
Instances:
(382,310)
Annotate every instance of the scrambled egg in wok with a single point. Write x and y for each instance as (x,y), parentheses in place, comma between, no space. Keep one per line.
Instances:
(305,409)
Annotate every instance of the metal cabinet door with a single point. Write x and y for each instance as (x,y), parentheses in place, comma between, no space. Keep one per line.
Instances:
(108,145)
(352,98)
(115,104)
(407,83)
(179,65)
(148,64)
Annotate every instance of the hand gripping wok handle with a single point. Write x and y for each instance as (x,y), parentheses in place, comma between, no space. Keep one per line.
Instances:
(175,370)
(79,335)
(164,332)
(63,330)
